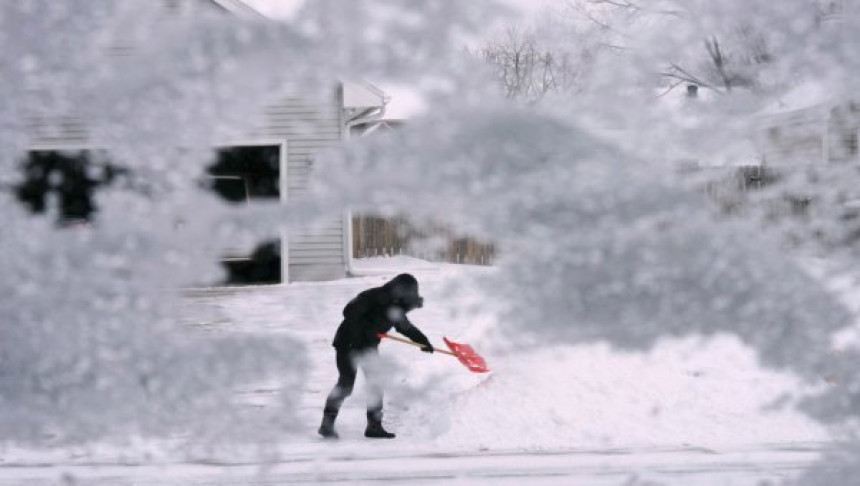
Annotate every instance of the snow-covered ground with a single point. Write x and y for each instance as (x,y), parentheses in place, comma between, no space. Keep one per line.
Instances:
(689,412)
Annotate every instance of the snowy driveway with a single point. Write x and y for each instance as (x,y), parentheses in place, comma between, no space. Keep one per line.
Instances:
(628,467)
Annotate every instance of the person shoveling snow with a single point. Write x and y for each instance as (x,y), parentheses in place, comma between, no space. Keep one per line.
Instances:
(371,313)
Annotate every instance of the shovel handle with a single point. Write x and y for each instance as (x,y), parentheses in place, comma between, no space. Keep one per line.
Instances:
(413,343)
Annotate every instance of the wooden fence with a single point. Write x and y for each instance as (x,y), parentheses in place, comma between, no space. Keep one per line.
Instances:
(376,236)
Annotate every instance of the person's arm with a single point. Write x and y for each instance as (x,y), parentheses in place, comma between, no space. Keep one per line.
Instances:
(403,326)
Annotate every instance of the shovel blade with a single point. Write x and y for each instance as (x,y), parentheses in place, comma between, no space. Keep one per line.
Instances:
(467,356)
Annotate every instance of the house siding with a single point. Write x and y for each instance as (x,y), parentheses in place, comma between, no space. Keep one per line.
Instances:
(305,127)
(59,132)
(308,127)
(819,134)
(795,138)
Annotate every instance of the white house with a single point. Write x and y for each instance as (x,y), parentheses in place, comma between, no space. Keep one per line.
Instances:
(272,160)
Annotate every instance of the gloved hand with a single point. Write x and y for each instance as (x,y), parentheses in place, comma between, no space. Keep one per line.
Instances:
(427,348)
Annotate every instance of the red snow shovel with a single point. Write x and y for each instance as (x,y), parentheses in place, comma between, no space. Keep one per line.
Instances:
(462,352)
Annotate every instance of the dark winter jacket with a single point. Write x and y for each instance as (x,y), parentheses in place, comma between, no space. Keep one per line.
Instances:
(377,310)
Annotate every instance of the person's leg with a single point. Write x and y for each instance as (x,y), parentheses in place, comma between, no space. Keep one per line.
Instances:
(343,388)
(373,377)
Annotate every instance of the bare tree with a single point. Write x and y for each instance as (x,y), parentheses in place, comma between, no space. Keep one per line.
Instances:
(527,69)
(729,58)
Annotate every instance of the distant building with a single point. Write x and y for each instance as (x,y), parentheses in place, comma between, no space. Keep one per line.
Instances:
(808,127)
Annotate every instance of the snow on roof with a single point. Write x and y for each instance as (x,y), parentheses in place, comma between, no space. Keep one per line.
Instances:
(801,97)
(237,7)
(401,101)
(277,9)
(361,95)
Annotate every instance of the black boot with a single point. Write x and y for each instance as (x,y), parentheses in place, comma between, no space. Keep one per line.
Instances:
(374,428)
(327,427)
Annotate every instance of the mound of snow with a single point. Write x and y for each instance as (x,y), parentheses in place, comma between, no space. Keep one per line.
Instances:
(700,393)
(392,264)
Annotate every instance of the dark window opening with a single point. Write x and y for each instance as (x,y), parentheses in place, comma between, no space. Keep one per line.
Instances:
(263,266)
(243,173)
(239,175)
(68,177)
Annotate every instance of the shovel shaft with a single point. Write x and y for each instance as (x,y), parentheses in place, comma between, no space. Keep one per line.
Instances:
(413,343)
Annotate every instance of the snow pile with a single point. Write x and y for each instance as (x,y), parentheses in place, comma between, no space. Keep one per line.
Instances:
(387,265)
(689,393)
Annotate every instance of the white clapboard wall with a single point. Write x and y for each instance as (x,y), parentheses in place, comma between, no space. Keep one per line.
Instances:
(302,125)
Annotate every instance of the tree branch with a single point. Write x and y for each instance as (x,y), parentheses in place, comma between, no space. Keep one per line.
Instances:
(719,60)
(671,88)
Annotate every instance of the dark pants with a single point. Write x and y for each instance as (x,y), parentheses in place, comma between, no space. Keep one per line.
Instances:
(347,368)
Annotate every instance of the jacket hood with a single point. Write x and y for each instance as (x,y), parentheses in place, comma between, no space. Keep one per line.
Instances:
(403,290)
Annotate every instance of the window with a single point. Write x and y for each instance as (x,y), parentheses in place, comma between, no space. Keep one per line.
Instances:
(238,175)
(242,173)
(67,178)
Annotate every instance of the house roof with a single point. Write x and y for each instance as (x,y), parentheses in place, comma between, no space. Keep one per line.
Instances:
(237,7)
(809,95)
(362,95)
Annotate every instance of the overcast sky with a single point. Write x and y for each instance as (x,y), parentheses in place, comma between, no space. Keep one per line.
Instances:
(405,102)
